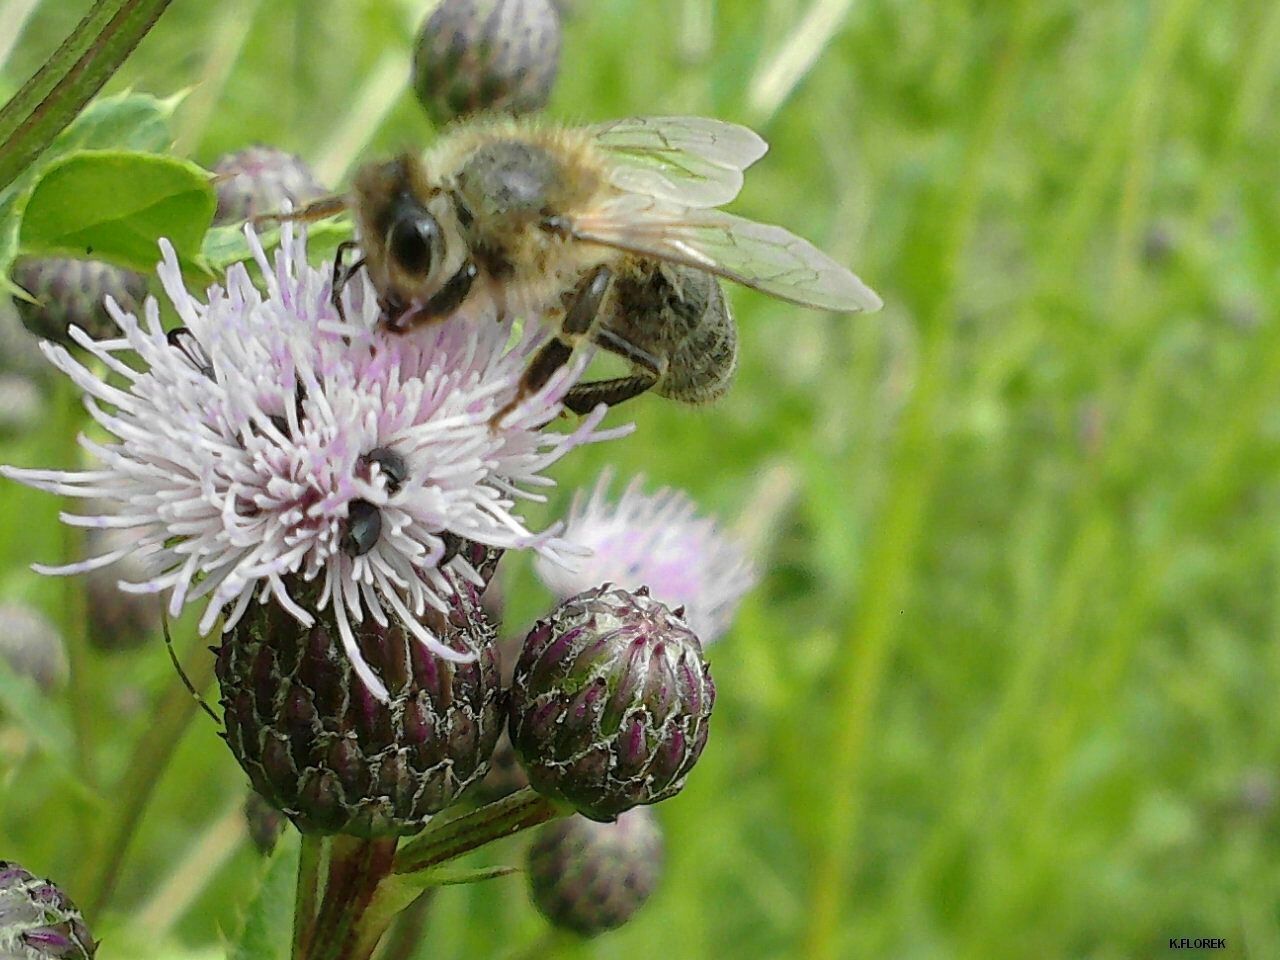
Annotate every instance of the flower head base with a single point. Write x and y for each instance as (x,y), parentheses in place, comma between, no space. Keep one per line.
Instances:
(657,541)
(266,442)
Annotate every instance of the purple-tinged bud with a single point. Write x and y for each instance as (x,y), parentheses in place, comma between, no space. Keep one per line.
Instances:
(486,55)
(590,877)
(258,180)
(319,744)
(71,292)
(610,702)
(38,921)
(32,646)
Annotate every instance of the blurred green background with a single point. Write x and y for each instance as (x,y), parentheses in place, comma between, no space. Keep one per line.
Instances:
(1007,688)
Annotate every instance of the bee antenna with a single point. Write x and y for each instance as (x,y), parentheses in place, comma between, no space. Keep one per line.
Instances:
(173,656)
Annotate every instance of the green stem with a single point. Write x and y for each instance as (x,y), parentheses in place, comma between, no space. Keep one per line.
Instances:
(173,713)
(74,612)
(308,894)
(73,74)
(407,932)
(356,869)
(523,809)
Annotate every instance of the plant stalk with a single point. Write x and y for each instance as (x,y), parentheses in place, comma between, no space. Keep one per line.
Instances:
(76,71)
(523,809)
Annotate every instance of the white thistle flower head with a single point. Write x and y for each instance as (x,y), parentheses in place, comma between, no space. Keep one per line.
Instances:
(657,541)
(268,443)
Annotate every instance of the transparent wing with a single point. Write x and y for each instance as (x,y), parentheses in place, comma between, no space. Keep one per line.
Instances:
(758,255)
(687,160)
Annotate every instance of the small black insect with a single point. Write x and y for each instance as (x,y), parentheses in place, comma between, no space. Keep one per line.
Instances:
(363,528)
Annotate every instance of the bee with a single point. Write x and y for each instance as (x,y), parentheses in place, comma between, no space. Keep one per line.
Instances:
(611,232)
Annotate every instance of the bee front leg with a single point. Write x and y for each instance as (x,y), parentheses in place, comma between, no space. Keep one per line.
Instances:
(555,353)
(442,303)
(342,275)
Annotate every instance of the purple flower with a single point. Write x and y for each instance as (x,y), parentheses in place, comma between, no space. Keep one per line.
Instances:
(267,441)
(657,541)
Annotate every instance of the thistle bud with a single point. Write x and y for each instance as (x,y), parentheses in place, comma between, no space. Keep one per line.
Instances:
(477,55)
(73,293)
(32,646)
(264,822)
(38,921)
(319,745)
(258,180)
(591,877)
(119,620)
(610,702)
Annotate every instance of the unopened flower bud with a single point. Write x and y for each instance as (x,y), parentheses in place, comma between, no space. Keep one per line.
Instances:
(32,646)
(259,180)
(38,921)
(264,822)
(591,877)
(610,702)
(481,55)
(320,745)
(71,292)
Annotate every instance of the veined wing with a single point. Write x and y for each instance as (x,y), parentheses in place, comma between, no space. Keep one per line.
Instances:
(758,255)
(692,161)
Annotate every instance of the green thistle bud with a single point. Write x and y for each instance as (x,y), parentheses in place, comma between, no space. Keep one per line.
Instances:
(591,877)
(258,180)
(38,921)
(32,646)
(72,293)
(610,702)
(265,822)
(478,55)
(320,746)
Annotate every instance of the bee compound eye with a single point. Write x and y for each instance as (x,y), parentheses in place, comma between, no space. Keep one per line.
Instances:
(413,242)
(363,528)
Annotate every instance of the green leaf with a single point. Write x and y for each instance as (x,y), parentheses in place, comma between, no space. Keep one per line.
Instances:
(126,121)
(268,922)
(115,206)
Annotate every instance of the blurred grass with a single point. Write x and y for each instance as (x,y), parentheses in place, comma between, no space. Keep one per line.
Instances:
(1007,688)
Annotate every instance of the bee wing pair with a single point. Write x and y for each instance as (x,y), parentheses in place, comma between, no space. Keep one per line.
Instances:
(672,172)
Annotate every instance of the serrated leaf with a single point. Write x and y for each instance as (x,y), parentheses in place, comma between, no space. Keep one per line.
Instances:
(268,921)
(115,206)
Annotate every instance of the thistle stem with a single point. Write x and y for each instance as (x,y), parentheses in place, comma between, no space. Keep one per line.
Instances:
(304,905)
(174,712)
(439,844)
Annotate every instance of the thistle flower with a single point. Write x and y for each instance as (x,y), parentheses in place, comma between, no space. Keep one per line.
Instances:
(591,877)
(38,921)
(261,179)
(265,442)
(658,541)
(610,702)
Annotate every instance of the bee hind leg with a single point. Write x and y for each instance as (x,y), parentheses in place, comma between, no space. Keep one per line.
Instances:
(585,397)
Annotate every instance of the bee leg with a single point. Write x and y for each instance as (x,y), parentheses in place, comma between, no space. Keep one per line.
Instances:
(342,275)
(442,303)
(316,210)
(582,398)
(555,353)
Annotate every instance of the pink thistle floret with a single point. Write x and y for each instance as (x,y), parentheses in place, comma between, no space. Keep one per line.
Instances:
(659,541)
(239,446)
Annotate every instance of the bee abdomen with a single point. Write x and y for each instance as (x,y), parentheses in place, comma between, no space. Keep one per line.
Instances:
(703,361)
